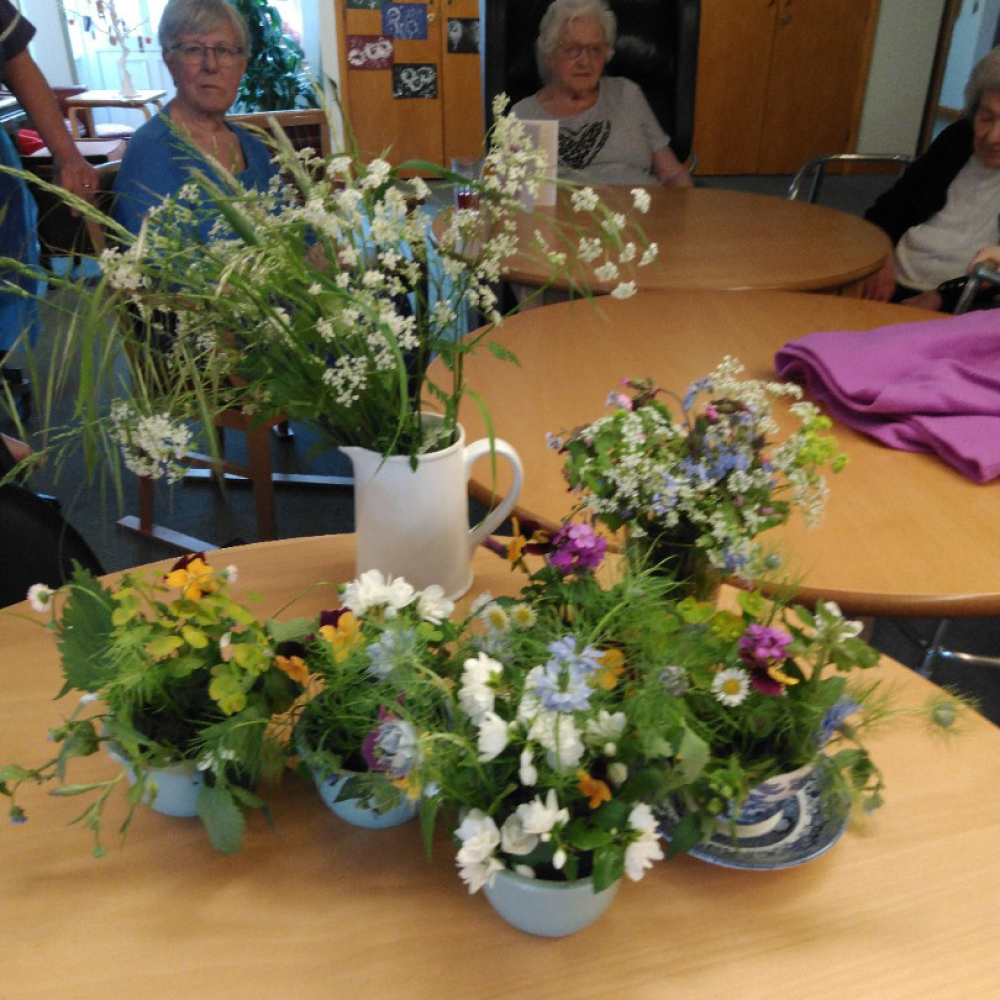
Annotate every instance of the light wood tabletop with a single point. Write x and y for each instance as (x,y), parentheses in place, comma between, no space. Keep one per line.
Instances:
(903,533)
(313,909)
(713,238)
(141,100)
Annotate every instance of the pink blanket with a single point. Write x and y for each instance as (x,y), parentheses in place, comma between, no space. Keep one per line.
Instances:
(929,386)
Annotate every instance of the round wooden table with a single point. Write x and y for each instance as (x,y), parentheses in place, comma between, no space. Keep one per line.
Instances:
(903,533)
(713,238)
(313,909)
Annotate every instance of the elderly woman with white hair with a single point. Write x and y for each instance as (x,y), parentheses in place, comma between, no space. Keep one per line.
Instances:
(946,206)
(204,45)
(608,133)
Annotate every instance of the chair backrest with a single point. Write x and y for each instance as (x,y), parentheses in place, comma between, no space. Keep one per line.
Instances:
(304,127)
(657,48)
(37,544)
(813,172)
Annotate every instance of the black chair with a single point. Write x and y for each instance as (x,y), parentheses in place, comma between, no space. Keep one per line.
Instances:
(657,48)
(37,544)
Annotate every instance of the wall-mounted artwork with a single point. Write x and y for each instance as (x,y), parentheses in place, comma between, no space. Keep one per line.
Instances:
(364,4)
(405,20)
(463,35)
(414,80)
(369,52)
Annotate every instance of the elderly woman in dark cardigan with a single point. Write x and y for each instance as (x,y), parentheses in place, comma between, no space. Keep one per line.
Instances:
(946,205)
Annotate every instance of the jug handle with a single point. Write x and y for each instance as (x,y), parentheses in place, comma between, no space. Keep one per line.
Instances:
(495,517)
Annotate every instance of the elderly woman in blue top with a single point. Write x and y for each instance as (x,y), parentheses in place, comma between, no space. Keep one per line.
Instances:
(204,44)
(608,133)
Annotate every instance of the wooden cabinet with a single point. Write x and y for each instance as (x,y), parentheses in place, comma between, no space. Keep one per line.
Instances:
(407,86)
(779,81)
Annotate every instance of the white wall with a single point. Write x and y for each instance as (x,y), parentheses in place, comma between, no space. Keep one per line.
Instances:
(899,75)
(49,48)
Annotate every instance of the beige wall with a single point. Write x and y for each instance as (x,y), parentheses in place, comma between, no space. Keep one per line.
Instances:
(900,72)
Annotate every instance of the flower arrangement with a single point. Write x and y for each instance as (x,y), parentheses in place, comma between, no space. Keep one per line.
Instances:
(171,670)
(563,739)
(702,488)
(324,299)
(377,663)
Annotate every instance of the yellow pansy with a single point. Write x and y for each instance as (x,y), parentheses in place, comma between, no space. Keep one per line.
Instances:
(343,636)
(195,579)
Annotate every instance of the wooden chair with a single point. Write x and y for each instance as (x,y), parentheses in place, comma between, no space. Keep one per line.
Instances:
(305,127)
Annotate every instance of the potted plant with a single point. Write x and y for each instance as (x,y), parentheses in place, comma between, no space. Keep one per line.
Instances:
(376,664)
(179,682)
(694,492)
(562,741)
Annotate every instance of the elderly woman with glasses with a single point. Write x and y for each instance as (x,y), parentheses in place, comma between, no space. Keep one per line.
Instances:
(608,133)
(204,45)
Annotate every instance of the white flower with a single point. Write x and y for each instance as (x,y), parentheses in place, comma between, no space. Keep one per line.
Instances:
(641,200)
(617,773)
(625,290)
(606,726)
(558,733)
(476,693)
(40,597)
(528,773)
(476,874)
(559,859)
(640,855)
(480,602)
(86,699)
(731,686)
(513,837)
(649,255)
(377,175)
(541,817)
(373,590)
(525,871)
(479,836)
(433,606)
(584,200)
(608,271)
(494,617)
(523,616)
(229,574)
(831,626)
(493,736)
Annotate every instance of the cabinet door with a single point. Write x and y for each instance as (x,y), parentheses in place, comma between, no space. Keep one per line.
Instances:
(734,55)
(816,86)
(393,101)
(462,87)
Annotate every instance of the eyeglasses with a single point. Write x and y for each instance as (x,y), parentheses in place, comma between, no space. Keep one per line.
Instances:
(195,52)
(573,52)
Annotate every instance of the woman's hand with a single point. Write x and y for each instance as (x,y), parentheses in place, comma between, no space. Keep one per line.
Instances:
(880,286)
(669,170)
(76,175)
(990,256)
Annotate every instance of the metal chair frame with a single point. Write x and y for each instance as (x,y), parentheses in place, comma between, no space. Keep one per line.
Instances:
(815,169)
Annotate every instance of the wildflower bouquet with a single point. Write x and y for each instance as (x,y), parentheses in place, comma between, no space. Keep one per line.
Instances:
(699,490)
(323,299)
(171,671)
(562,737)
(770,690)
(378,666)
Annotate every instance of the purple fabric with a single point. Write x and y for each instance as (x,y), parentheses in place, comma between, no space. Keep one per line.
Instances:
(929,386)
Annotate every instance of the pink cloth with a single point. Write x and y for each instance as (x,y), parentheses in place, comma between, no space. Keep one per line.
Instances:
(928,386)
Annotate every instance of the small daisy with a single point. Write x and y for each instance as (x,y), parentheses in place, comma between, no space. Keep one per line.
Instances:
(40,597)
(523,616)
(493,616)
(731,686)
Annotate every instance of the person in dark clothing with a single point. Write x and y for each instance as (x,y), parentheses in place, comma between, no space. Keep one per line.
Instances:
(946,206)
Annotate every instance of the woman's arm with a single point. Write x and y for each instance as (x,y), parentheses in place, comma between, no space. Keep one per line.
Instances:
(70,169)
(669,170)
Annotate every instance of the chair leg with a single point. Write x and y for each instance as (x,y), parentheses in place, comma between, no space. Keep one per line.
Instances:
(145,504)
(259,455)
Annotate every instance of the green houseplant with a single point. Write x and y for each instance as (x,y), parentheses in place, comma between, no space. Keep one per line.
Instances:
(172,673)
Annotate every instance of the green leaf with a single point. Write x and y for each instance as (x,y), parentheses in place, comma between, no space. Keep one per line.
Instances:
(692,755)
(291,631)
(609,866)
(163,645)
(194,637)
(13,772)
(224,822)
(685,835)
(84,634)
(429,810)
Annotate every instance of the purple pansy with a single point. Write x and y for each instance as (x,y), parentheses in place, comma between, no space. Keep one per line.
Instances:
(577,548)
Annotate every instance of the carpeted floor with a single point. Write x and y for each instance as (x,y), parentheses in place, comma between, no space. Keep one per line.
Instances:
(227,517)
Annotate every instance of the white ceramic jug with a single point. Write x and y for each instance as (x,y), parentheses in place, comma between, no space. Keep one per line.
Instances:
(414,523)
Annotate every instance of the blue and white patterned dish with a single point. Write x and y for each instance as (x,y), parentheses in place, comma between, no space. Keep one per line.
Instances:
(807,826)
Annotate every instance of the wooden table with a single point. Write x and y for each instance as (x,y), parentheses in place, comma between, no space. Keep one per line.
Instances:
(315,909)
(728,240)
(904,534)
(84,103)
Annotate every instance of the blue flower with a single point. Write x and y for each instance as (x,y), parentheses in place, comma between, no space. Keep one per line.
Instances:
(692,393)
(392,648)
(563,683)
(835,717)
